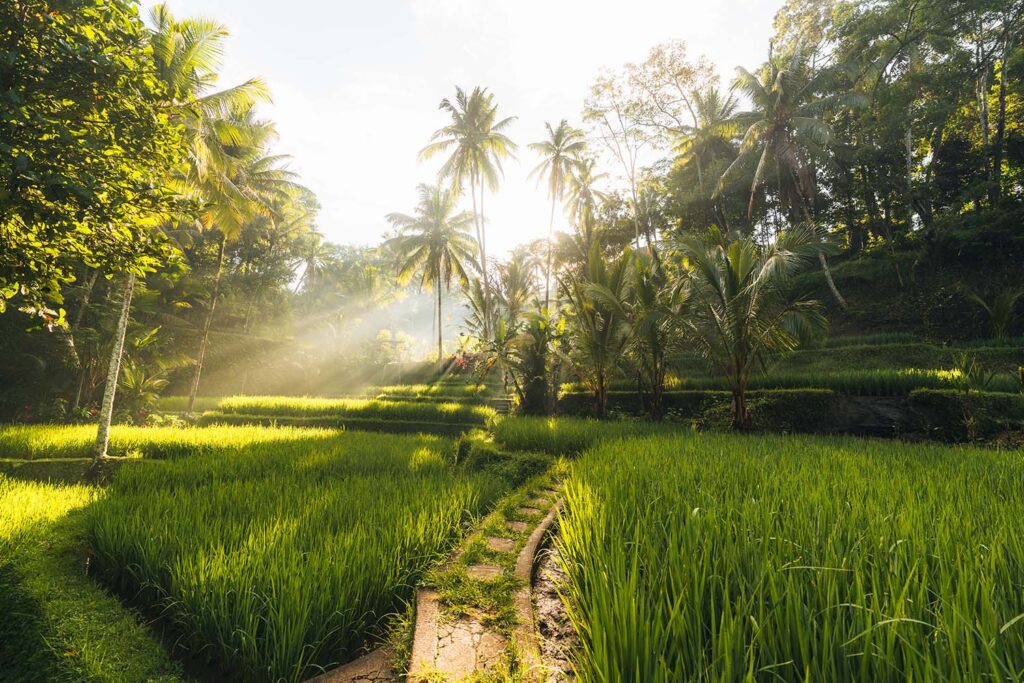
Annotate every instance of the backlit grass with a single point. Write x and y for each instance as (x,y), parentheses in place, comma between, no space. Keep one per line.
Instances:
(29,442)
(276,560)
(567,435)
(57,624)
(721,558)
(290,406)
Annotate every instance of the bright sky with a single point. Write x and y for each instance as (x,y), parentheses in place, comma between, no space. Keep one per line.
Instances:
(356,83)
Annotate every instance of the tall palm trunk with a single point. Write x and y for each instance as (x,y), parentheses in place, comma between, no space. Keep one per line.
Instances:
(998,143)
(113,370)
(204,341)
(547,271)
(483,263)
(439,351)
(478,223)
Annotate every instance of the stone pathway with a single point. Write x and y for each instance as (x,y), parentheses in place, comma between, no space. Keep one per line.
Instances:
(374,667)
(456,646)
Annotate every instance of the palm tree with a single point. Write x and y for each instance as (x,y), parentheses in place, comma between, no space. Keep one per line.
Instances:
(740,311)
(516,286)
(584,199)
(559,153)
(435,243)
(711,136)
(248,183)
(649,314)
(478,145)
(784,130)
(597,331)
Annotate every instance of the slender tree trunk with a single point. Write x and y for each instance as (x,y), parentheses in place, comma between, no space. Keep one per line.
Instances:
(439,352)
(740,414)
(478,222)
(547,272)
(831,283)
(204,341)
(909,154)
(483,262)
(997,145)
(113,370)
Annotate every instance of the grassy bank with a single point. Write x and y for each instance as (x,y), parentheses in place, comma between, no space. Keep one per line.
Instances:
(58,624)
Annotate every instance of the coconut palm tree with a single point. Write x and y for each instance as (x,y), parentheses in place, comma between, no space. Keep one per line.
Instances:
(478,144)
(650,315)
(584,198)
(597,331)
(740,312)
(561,151)
(516,286)
(710,137)
(248,183)
(784,129)
(434,244)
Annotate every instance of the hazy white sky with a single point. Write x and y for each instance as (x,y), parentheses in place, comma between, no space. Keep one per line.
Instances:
(356,83)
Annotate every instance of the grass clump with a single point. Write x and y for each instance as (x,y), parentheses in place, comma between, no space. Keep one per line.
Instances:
(282,558)
(290,406)
(58,624)
(719,557)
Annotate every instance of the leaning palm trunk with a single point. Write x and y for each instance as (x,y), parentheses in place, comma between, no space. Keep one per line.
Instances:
(547,272)
(831,283)
(204,341)
(113,370)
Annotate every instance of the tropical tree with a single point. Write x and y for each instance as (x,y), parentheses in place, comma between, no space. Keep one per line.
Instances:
(434,244)
(596,328)
(478,144)
(710,137)
(516,286)
(584,199)
(650,314)
(559,153)
(740,310)
(247,183)
(784,129)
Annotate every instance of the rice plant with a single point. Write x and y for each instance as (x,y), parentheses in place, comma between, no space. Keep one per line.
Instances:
(29,442)
(567,435)
(274,561)
(878,382)
(723,557)
(292,406)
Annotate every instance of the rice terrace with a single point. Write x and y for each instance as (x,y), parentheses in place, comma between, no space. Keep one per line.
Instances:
(466,340)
